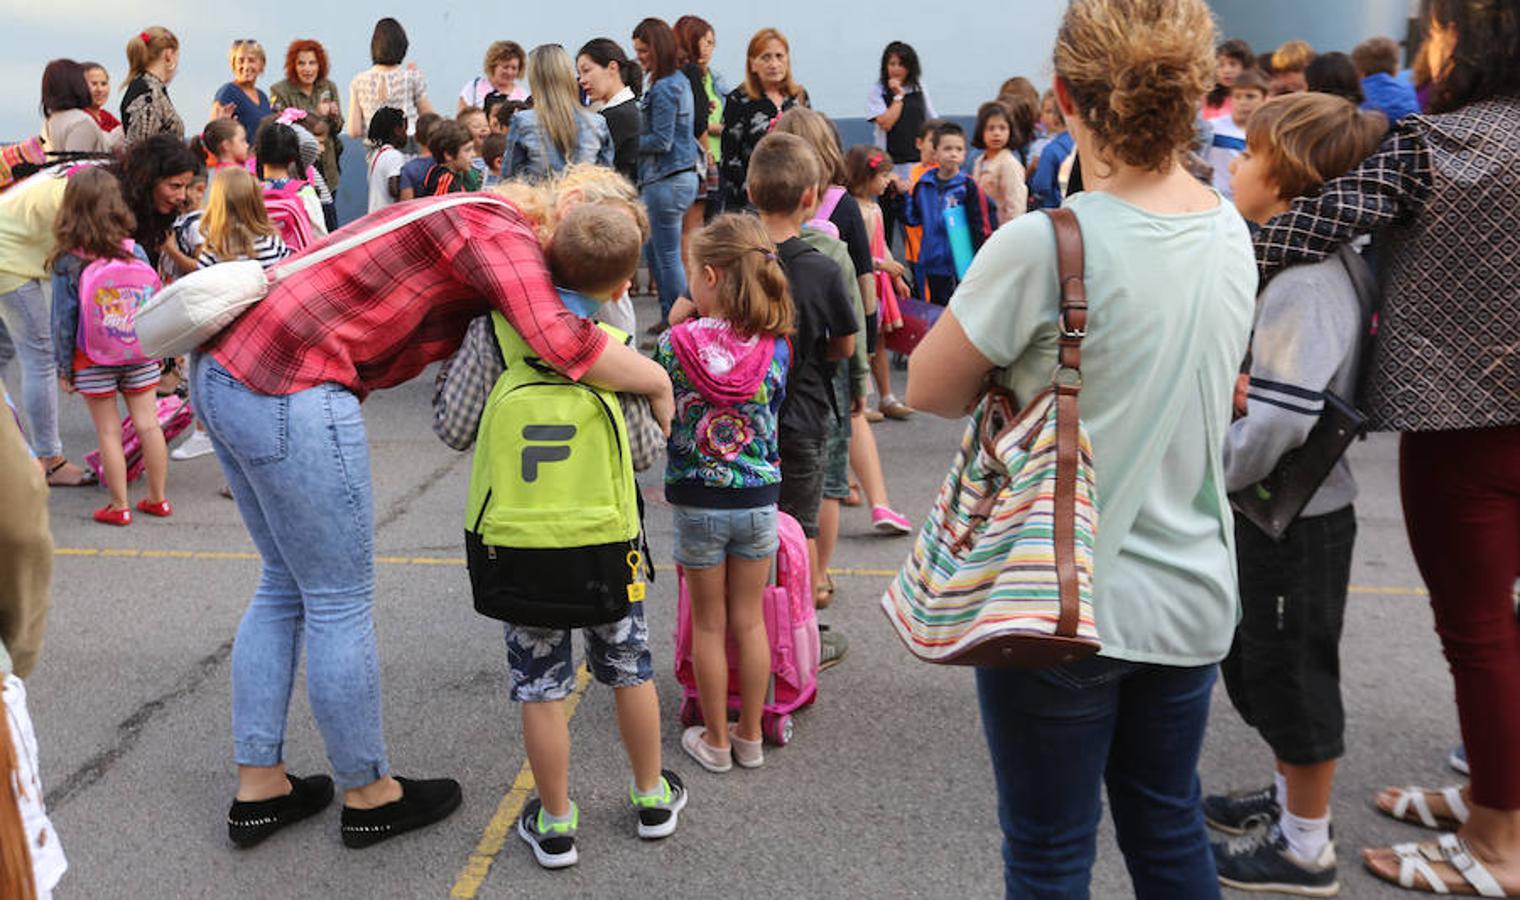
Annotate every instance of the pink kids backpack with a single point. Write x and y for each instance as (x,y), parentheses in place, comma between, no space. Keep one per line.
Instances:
(287,213)
(111,291)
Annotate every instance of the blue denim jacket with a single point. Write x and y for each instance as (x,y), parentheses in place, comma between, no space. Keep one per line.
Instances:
(530,153)
(666,145)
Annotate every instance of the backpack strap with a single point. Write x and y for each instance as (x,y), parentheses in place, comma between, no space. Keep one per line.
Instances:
(1370,300)
(1067,384)
(831,198)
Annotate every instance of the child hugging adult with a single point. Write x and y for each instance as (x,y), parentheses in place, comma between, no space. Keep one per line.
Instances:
(291,441)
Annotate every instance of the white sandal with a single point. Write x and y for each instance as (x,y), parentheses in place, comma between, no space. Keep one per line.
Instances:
(1415,859)
(1415,797)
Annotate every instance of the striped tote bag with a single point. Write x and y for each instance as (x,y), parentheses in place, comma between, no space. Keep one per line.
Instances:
(1001,573)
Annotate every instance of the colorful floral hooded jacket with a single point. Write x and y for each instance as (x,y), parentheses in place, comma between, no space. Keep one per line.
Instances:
(723,450)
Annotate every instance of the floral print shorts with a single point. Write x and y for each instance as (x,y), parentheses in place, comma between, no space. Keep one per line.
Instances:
(542,668)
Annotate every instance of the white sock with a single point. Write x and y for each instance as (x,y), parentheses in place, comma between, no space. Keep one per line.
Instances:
(1281,784)
(1306,837)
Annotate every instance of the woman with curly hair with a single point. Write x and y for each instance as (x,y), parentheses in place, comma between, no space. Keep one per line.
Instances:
(1443,195)
(154,175)
(505,70)
(307,87)
(1165,337)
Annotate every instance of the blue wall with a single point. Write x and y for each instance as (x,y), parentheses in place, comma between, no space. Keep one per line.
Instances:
(1326,24)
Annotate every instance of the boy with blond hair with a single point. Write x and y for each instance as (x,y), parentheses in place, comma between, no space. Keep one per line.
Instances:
(594,251)
(1283,672)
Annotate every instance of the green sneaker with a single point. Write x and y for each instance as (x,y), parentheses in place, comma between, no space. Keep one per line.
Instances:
(553,845)
(658,813)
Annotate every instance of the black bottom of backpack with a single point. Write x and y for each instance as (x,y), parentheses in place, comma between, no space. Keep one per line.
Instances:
(560,588)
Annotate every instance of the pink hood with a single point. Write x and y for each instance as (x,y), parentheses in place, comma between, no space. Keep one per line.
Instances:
(725,368)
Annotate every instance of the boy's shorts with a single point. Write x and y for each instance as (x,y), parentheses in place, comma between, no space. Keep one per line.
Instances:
(802,459)
(542,667)
(106,381)
(836,465)
(707,537)
(1284,672)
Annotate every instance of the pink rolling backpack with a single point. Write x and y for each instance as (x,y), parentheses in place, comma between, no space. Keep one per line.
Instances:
(174,416)
(791,623)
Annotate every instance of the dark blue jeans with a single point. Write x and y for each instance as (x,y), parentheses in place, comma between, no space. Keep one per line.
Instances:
(1058,735)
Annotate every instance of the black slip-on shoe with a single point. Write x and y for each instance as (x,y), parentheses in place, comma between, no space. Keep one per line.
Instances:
(250,822)
(422,803)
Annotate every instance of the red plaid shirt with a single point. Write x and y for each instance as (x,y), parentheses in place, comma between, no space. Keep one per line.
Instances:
(378,314)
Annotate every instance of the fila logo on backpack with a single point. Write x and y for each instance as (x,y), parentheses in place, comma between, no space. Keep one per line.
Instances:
(552,526)
(111,291)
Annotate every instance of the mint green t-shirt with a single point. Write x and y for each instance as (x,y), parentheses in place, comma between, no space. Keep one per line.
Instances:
(1170,302)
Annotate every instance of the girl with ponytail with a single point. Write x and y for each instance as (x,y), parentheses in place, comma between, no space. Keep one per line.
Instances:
(146,110)
(727,356)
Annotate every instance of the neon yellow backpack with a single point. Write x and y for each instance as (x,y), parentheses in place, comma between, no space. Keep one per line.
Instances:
(552,526)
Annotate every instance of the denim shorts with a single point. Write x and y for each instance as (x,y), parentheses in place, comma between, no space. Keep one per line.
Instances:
(706,537)
(541,664)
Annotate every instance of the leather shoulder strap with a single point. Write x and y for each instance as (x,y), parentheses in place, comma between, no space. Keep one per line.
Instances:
(1070,262)
(1067,385)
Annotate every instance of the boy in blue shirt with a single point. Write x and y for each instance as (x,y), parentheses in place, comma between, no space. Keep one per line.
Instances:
(416,169)
(1377,61)
(945,187)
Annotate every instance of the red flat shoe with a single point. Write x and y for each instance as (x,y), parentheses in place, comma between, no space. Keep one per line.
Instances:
(108,516)
(162,509)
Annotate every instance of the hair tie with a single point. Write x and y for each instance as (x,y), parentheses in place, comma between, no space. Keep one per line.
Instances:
(291,114)
(146,38)
(875,160)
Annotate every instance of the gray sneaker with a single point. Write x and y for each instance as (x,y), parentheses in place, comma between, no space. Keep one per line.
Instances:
(1239,812)
(1262,861)
(832,647)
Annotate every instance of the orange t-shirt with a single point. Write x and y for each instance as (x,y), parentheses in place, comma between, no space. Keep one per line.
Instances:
(913,235)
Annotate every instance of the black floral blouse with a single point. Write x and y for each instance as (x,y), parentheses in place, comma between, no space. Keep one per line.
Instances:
(746,120)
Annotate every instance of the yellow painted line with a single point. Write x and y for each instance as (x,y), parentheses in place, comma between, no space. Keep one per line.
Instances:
(441,561)
(504,822)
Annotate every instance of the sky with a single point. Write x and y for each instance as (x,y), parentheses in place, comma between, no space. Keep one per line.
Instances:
(835,49)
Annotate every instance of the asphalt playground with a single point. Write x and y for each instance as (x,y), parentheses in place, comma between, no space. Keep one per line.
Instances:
(885,791)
